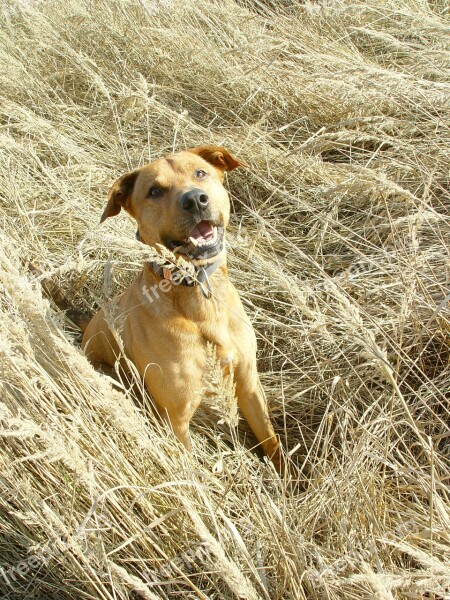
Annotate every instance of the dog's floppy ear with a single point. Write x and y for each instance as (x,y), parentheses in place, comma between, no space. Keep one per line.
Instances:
(219,157)
(119,194)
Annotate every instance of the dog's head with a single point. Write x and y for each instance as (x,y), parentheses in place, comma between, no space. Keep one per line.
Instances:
(179,201)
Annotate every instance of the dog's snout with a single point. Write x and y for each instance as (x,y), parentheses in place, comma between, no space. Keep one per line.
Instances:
(194,201)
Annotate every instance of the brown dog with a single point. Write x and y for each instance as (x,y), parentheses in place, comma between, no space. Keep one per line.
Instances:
(180,202)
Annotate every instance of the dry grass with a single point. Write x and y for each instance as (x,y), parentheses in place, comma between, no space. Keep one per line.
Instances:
(339,246)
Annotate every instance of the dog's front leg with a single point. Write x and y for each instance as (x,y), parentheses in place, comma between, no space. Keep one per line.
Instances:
(176,397)
(253,405)
(178,422)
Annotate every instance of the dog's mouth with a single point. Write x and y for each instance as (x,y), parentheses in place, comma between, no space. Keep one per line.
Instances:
(204,241)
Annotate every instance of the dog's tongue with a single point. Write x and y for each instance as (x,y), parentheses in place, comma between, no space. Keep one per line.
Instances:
(202,232)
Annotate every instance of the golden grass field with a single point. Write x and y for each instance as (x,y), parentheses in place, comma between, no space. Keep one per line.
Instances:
(339,245)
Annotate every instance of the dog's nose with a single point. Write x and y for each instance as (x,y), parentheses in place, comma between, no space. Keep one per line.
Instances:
(194,201)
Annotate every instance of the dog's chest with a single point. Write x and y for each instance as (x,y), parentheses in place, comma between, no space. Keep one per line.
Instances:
(218,334)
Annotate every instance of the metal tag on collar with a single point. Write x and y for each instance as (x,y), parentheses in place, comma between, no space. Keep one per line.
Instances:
(167,274)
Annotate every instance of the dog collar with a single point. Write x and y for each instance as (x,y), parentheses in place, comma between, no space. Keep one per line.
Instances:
(172,273)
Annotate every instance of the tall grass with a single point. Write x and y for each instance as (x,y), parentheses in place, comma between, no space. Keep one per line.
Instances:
(339,245)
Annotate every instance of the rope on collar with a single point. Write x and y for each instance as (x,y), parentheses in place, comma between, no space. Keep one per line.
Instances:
(174,274)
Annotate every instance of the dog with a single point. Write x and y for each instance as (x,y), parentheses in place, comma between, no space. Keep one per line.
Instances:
(169,317)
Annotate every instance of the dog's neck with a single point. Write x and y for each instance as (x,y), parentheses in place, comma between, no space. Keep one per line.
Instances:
(177,276)
(191,301)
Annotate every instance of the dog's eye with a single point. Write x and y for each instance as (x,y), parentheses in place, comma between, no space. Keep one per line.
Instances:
(155,192)
(200,174)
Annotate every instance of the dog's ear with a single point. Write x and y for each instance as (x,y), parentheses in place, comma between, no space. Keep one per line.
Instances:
(219,157)
(119,194)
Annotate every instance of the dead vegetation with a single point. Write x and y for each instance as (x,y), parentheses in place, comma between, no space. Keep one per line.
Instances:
(339,245)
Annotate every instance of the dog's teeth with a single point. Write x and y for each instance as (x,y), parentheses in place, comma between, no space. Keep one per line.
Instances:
(205,243)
